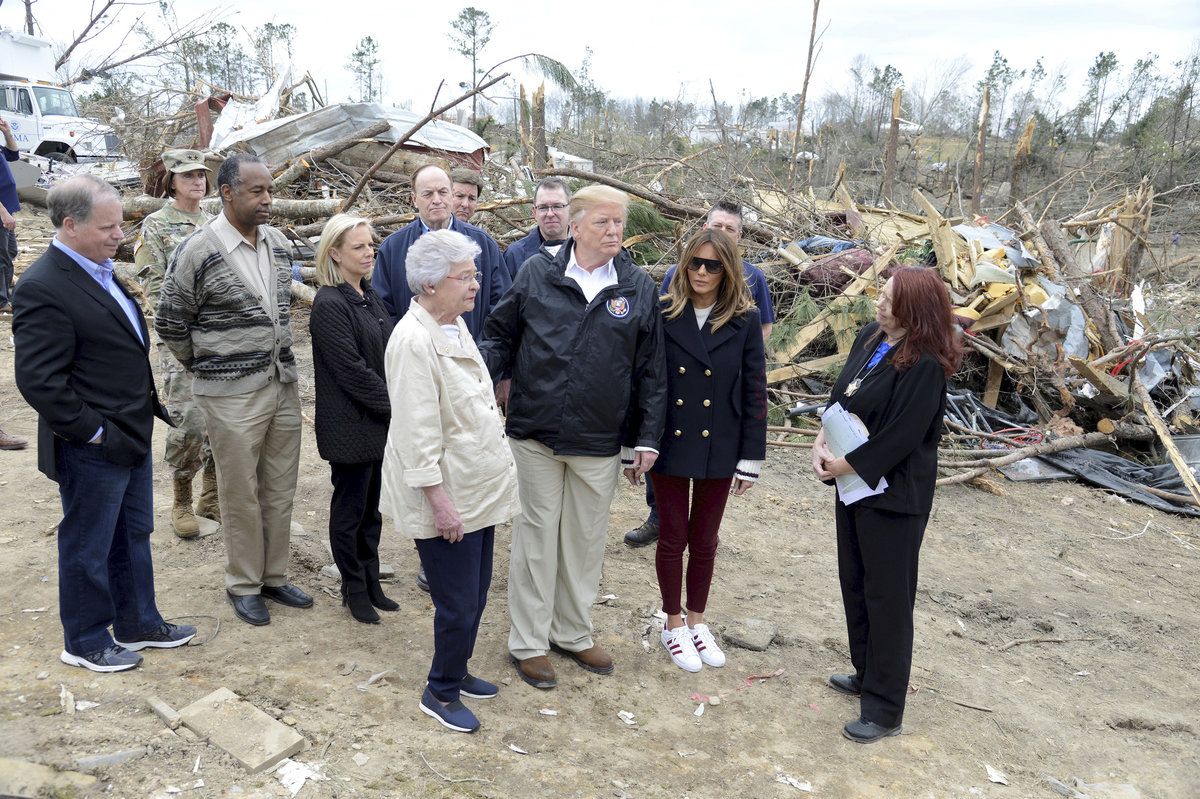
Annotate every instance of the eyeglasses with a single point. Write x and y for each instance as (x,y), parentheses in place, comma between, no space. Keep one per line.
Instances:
(711,265)
(558,208)
(476,276)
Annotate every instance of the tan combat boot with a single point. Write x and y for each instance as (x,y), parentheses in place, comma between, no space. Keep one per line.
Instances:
(182,518)
(209,506)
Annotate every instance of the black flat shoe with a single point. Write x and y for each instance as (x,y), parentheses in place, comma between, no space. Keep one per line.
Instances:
(250,609)
(380,599)
(360,607)
(847,684)
(862,731)
(287,594)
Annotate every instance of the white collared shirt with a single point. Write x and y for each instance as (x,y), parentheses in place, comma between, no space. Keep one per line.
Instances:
(591,283)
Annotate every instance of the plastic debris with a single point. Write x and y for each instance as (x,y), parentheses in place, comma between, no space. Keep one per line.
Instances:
(787,779)
(517,749)
(996,776)
(627,717)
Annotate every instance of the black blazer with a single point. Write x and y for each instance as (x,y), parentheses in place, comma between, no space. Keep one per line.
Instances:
(349,336)
(716,396)
(80,365)
(903,414)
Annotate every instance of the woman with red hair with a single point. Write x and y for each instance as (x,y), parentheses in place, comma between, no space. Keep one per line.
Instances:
(895,382)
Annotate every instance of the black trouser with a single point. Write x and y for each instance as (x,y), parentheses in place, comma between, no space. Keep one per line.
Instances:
(355,523)
(877,566)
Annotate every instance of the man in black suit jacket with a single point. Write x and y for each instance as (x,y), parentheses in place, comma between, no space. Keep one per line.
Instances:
(81,362)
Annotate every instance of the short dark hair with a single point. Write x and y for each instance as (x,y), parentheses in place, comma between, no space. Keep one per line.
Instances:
(468,176)
(727,207)
(230,173)
(553,183)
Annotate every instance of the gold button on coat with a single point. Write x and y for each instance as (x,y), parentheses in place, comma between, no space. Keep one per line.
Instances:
(678,433)
(679,402)
(682,371)
(708,372)
(707,403)
(704,433)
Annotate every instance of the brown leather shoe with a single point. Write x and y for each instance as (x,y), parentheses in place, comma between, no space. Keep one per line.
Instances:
(594,658)
(537,671)
(12,442)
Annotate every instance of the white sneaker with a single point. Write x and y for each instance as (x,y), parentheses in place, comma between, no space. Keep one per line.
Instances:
(706,646)
(683,652)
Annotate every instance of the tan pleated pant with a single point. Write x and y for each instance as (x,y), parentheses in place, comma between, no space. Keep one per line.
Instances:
(557,547)
(255,440)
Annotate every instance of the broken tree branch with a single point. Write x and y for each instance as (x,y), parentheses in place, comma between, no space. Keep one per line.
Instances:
(400,142)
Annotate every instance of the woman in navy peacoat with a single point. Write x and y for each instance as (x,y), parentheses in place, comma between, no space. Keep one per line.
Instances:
(715,432)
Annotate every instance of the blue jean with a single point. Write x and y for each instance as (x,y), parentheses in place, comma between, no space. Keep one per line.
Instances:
(651,502)
(105,572)
(459,577)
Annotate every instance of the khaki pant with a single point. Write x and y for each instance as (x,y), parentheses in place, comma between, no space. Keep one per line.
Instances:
(255,441)
(557,547)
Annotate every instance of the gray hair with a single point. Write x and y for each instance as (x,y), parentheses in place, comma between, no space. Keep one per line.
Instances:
(430,257)
(76,197)
(230,173)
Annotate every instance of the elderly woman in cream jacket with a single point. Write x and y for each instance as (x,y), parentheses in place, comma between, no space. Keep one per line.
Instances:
(448,474)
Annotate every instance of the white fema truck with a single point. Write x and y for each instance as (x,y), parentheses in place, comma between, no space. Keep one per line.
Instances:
(45,120)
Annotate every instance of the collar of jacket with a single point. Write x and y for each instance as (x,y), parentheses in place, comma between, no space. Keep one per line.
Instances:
(441,343)
(622,263)
(352,295)
(699,342)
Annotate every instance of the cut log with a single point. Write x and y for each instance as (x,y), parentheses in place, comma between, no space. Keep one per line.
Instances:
(1126,431)
(135,208)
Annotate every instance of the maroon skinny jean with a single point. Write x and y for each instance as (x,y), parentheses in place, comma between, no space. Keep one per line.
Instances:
(695,531)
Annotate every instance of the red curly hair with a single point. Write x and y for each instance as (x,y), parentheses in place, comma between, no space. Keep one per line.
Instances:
(921,305)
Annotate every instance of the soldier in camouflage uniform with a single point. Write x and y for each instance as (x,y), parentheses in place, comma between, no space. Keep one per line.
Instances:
(187,445)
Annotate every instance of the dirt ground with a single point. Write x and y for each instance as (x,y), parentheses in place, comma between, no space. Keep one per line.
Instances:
(1111,700)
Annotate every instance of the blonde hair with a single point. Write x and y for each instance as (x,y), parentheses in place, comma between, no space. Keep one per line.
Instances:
(733,295)
(331,236)
(588,198)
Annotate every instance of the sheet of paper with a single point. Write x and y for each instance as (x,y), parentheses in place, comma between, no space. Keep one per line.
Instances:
(845,432)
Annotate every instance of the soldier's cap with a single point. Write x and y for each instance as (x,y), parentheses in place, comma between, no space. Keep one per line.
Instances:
(183,160)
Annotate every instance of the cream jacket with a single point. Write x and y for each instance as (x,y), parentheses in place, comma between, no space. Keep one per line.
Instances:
(444,429)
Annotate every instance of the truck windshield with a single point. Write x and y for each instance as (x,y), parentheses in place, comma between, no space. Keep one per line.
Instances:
(55,101)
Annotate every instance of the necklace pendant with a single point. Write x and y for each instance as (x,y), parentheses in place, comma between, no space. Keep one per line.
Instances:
(850,389)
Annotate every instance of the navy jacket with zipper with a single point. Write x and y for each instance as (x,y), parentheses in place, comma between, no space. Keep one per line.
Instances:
(587,376)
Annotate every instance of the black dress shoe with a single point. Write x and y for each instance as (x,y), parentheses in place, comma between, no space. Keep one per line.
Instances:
(868,732)
(647,533)
(422,580)
(250,609)
(848,684)
(287,594)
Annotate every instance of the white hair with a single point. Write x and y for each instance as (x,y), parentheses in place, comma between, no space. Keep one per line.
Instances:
(431,256)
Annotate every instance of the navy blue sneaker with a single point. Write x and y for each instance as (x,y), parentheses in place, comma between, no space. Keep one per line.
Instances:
(477,688)
(168,636)
(114,658)
(454,716)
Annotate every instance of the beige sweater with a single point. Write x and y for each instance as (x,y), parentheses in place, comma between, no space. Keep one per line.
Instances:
(445,429)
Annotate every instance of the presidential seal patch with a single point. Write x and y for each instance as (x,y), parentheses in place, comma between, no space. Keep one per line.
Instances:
(618,307)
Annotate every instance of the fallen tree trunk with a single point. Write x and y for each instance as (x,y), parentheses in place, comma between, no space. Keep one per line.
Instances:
(300,166)
(672,208)
(135,208)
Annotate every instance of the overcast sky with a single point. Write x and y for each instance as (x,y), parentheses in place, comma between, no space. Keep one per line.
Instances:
(669,49)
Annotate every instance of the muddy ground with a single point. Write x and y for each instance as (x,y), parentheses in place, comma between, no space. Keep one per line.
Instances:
(1112,700)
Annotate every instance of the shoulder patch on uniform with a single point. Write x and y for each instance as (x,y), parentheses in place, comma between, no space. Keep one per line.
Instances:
(618,307)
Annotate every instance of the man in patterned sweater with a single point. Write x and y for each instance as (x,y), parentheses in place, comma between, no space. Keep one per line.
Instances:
(223,312)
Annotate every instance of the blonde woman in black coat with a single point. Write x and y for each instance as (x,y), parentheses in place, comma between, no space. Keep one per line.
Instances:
(350,328)
(715,438)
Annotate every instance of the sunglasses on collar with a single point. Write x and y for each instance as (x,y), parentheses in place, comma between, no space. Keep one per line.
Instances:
(711,265)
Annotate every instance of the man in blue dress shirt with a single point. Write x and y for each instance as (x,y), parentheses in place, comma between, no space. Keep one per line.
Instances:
(82,363)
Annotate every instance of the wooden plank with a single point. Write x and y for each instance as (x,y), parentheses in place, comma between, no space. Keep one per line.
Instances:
(1164,435)
(995,375)
(815,366)
(943,239)
(1104,382)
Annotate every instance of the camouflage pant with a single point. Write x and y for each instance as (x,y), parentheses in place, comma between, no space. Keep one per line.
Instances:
(187,444)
